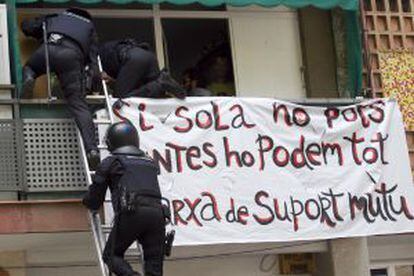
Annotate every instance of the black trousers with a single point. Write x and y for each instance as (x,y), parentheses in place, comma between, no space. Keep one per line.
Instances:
(67,61)
(138,74)
(145,225)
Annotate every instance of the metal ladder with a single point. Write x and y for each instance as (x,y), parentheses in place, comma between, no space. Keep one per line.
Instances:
(99,230)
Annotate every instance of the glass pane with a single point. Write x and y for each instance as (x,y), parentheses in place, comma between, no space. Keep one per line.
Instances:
(379,272)
(112,29)
(199,55)
(406,270)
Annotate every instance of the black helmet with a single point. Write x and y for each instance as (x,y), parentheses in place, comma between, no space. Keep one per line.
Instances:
(122,134)
(81,12)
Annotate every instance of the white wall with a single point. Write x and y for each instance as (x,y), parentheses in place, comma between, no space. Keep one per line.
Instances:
(5,111)
(391,248)
(74,254)
(63,271)
(4,47)
(229,266)
(79,262)
(240,265)
(267,53)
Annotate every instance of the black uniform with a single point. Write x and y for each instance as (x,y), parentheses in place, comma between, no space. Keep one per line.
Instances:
(134,68)
(136,71)
(72,44)
(144,223)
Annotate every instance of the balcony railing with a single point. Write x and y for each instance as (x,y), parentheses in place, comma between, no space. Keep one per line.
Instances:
(40,155)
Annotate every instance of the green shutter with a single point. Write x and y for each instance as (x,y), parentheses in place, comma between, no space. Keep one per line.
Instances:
(323,4)
(13,41)
(354,52)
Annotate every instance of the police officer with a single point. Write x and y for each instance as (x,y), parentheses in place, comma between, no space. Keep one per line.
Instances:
(136,198)
(135,71)
(72,44)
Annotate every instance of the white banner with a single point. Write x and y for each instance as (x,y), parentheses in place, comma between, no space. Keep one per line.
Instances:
(239,170)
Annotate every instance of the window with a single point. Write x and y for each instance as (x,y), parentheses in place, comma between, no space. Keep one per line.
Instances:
(317,37)
(199,55)
(393,270)
(249,51)
(142,29)
(379,272)
(404,270)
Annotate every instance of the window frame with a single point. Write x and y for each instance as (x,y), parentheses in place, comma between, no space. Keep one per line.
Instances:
(157,15)
(391,266)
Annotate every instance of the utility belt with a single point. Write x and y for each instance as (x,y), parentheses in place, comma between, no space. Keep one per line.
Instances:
(133,202)
(59,39)
(147,201)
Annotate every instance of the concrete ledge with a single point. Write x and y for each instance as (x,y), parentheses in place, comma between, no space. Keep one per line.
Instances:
(43,216)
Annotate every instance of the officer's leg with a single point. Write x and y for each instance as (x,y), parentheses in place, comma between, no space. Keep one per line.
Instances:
(152,89)
(69,67)
(157,88)
(34,67)
(152,241)
(119,240)
(79,108)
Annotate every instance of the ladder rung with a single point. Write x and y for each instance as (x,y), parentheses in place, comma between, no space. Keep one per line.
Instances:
(102,121)
(102,147)
(132,253)
(106,228)
(95,97)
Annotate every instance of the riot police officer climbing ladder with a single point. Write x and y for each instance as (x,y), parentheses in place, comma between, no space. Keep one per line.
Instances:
(71,45)
(136,199)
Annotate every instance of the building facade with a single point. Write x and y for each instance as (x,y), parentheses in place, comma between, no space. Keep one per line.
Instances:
(303,54)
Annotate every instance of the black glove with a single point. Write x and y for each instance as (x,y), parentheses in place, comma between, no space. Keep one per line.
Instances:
(118,104)
(167,213)
(169,240)
(94,212)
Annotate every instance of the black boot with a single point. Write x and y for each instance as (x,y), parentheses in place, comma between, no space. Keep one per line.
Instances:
(171,86)
(29,78)
(93,159)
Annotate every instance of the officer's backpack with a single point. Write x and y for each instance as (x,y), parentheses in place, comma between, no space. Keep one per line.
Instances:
(138,182)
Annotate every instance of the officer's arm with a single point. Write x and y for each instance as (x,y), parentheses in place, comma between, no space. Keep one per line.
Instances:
(95,196)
